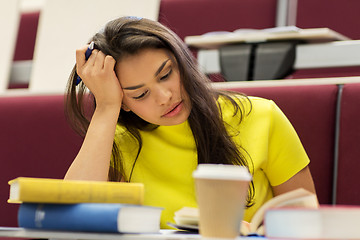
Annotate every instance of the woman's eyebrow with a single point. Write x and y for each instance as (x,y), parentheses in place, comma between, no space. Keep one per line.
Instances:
(156,73)
(161,67)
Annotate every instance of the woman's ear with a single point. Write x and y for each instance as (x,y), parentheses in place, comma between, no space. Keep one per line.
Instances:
(125,108)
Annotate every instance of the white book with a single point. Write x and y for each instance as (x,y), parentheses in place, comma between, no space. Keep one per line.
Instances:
(326,222)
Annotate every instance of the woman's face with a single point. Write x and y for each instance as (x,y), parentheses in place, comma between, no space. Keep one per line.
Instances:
(152,87)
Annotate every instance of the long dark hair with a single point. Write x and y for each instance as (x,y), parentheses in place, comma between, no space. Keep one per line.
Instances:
(127,36)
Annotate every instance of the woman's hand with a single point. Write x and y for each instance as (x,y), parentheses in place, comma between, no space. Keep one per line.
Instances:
(99,76)
(93,160)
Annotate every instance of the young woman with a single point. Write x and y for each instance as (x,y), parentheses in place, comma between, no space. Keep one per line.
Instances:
(155,117)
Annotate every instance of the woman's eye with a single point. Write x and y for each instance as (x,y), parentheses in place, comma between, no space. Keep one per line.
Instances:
(166,75)
(141,95)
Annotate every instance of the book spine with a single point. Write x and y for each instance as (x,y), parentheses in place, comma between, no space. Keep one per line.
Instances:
(65,192)
(91,217)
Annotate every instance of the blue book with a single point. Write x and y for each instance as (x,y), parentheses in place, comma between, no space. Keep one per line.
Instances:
(90,217)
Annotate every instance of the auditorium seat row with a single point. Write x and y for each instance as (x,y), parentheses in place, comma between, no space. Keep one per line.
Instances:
(36,140)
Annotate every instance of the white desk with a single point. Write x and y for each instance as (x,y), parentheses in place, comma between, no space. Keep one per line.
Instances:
(163,235)
(309,35)
(26,233)
(320,47)
(286,82)
(308,55)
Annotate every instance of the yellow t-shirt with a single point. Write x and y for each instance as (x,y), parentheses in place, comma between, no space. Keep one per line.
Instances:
(168,156)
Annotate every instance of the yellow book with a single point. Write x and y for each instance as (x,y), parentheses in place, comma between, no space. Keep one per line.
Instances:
(46,190)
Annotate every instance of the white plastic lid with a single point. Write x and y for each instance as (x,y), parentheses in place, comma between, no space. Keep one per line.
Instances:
(221,171)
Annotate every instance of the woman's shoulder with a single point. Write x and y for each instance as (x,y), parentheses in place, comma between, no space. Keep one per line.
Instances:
(261,103)
(246,103)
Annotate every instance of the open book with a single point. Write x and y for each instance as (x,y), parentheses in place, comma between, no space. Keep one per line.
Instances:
(188,218)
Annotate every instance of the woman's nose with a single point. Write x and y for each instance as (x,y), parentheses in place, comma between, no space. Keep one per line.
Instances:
(163,95)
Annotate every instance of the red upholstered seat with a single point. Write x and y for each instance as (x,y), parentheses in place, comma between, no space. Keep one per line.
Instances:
(333,14)
(342,17)
(35,141)
(348,191)
(26,36)
(189,17)
(311,110)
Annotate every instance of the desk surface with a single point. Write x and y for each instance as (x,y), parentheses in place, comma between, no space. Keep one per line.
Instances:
(286,82)
(309,35)
(42,234)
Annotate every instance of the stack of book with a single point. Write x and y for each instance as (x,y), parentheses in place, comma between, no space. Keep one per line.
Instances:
(86,206)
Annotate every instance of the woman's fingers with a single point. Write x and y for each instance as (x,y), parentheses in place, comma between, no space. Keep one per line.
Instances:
(90,67)
(109,63)
(82,63)
(99,76)
(98,59)
(92,59)
(80,57)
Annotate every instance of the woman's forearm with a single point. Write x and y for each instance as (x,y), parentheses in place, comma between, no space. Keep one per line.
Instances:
(93,160)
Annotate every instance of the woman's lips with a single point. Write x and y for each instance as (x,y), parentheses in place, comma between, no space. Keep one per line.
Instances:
(174,111)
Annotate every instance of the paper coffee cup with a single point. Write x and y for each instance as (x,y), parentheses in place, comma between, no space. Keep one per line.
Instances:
(221,192)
